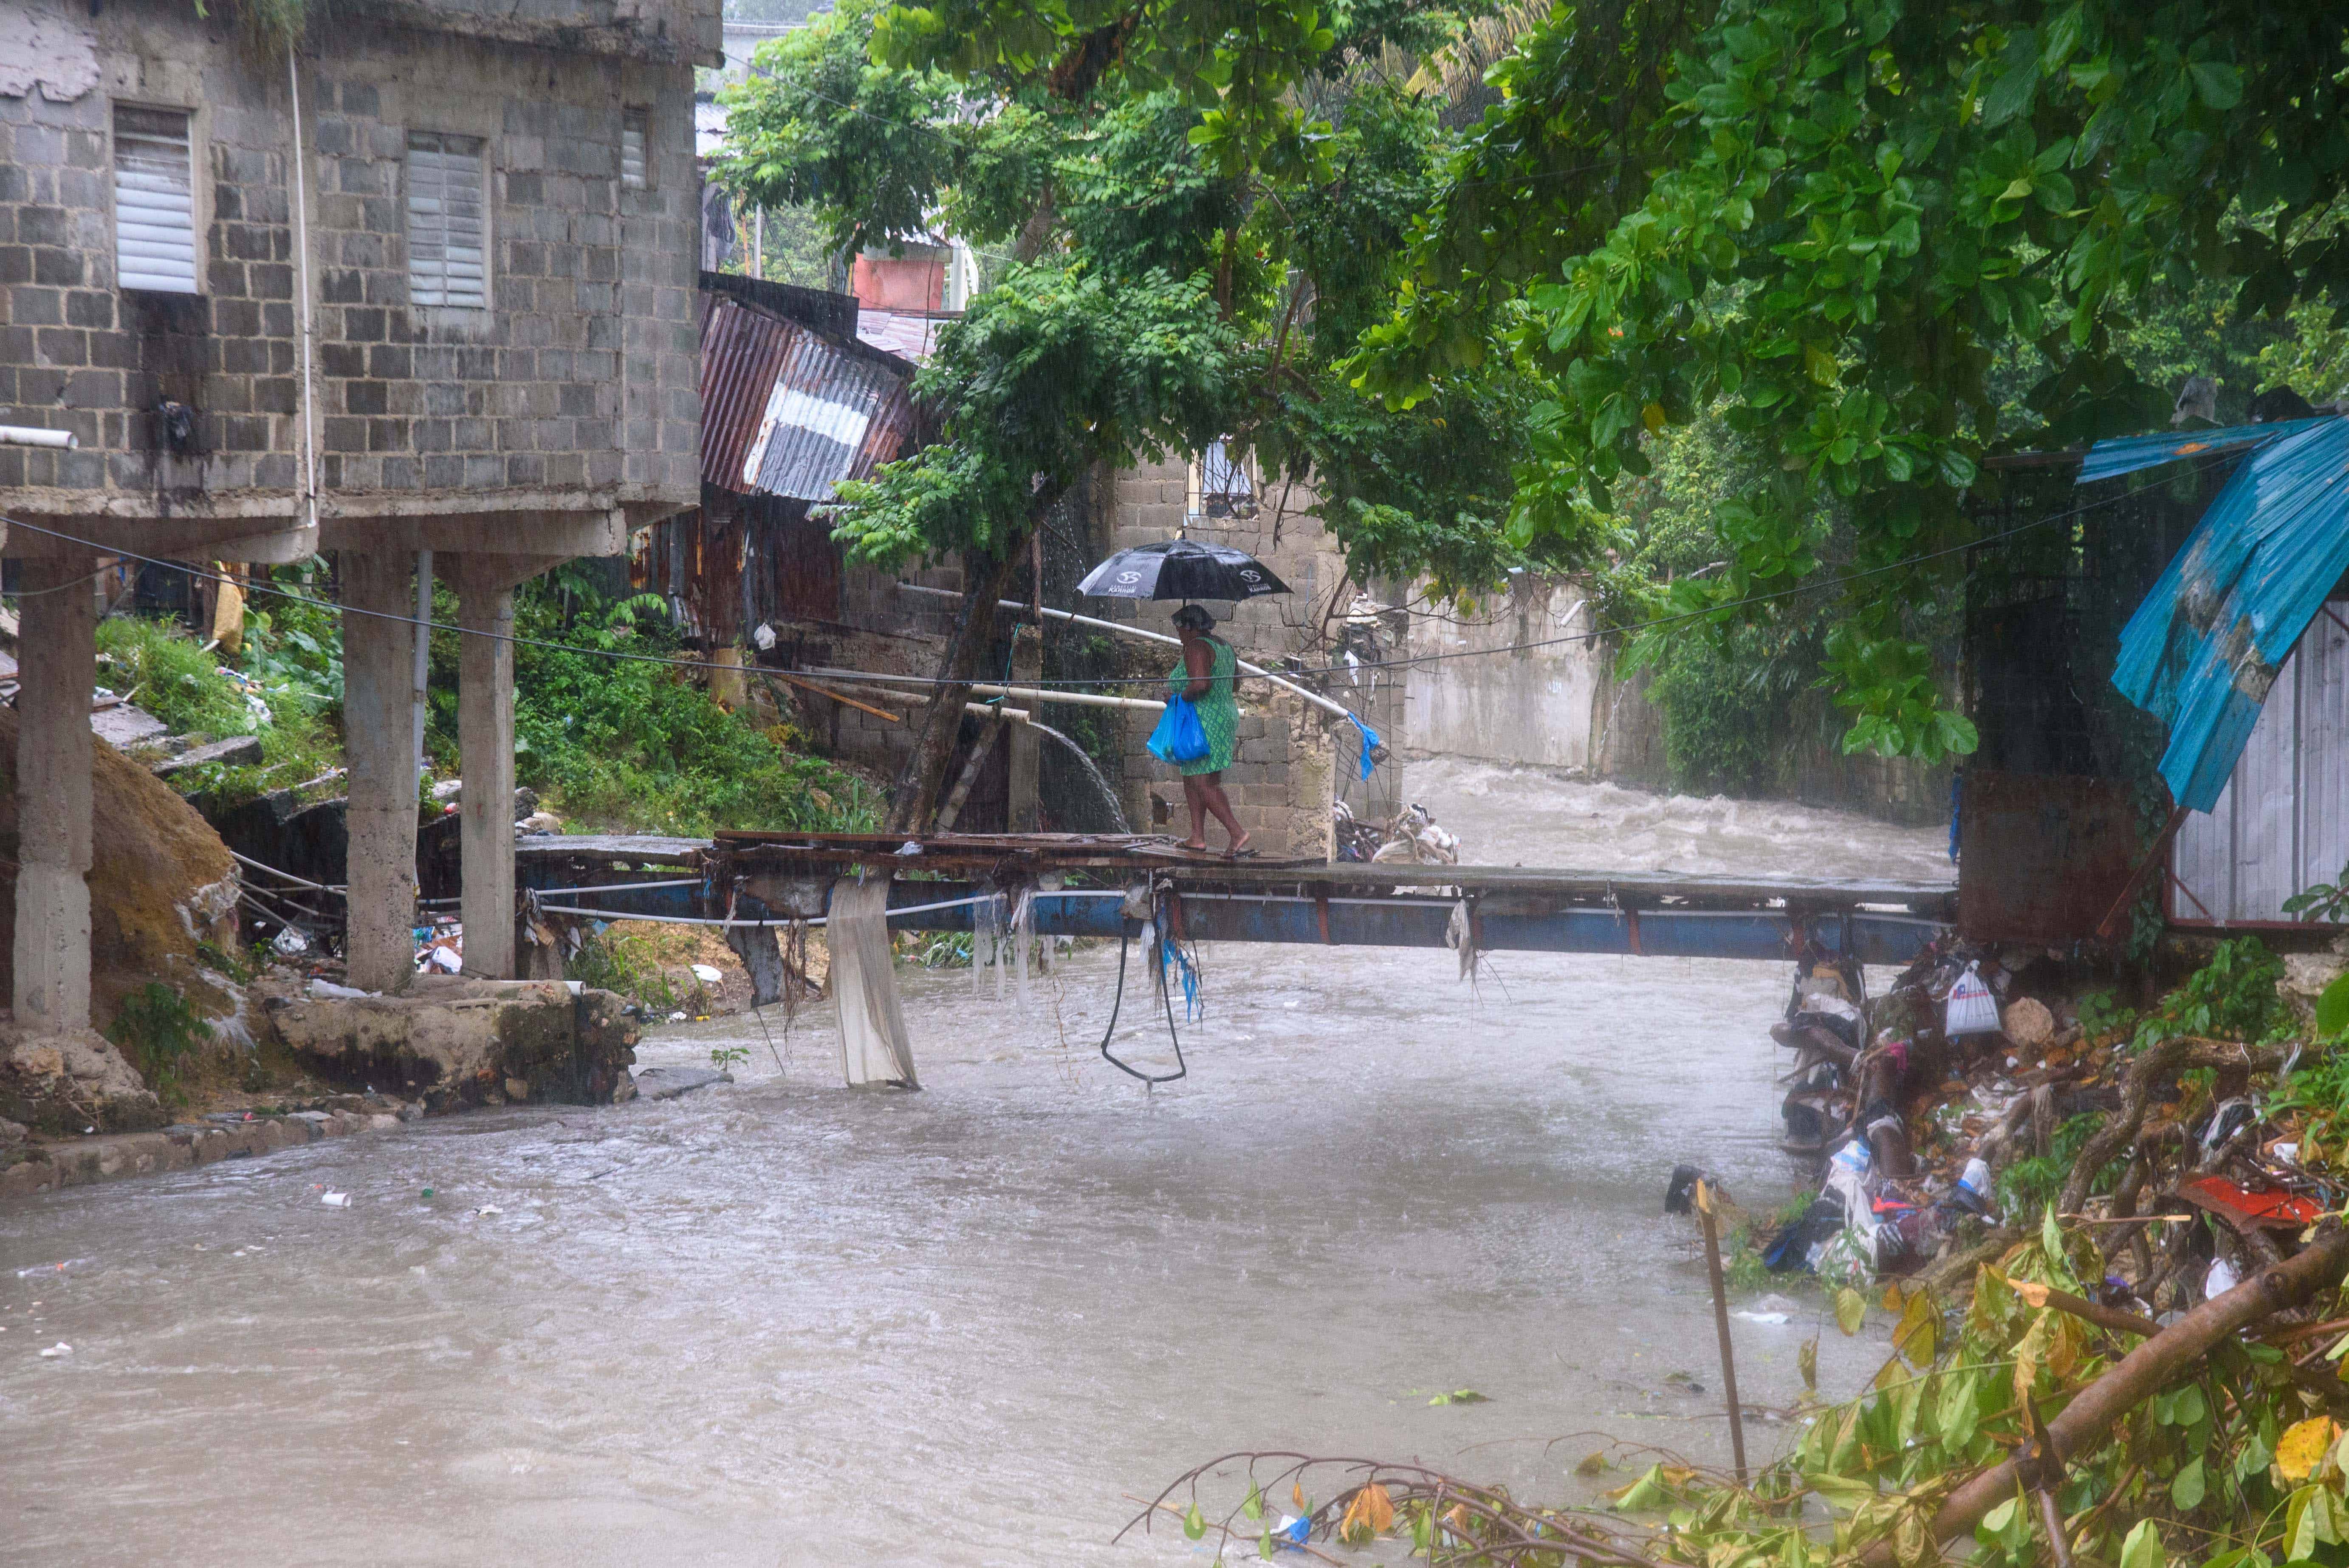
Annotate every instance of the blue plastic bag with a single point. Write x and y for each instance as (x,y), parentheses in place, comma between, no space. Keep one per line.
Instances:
(1180,738)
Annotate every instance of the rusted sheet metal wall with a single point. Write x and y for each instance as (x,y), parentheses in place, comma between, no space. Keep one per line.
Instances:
(791,569)
(2282,822)
(2043,857)
(786,413)
(738,560)
(741,353)
(694,560)
(829,417)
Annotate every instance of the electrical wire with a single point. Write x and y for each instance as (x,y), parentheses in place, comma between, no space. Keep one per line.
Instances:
(1160,938)
(622,655)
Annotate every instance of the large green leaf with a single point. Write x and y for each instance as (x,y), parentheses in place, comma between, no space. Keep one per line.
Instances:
(2333,1008)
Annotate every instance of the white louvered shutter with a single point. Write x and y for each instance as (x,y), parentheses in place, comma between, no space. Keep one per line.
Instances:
(445,249)
(633,123)
(154,202)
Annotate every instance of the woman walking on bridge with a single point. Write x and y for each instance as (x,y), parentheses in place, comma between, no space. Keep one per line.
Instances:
(1205,675)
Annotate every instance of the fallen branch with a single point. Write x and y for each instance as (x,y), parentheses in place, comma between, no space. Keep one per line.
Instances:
(1510,1531)
(2146,1371)
(2156,1066)
(2109,1317)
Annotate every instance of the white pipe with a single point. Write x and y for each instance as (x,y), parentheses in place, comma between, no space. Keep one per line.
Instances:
(1316,698)
(1024,693)
(34,436)
(301,268)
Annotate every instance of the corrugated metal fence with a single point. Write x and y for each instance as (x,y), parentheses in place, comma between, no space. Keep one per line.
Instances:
(2283,821)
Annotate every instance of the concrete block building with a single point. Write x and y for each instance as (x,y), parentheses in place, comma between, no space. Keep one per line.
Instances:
(420,295)
(1292,761)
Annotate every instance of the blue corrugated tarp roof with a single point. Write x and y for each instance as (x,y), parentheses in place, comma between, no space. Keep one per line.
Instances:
(2204,648)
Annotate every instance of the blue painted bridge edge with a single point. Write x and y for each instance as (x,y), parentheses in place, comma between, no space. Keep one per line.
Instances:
(1393,922)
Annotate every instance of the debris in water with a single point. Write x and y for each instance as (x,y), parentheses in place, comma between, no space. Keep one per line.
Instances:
(59,1348)
(336,1200)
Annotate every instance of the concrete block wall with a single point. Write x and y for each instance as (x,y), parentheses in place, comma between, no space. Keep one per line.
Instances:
(1289,761)
(76,355)
(1149,504)
(1528,705)
(525,405)
(1280,781)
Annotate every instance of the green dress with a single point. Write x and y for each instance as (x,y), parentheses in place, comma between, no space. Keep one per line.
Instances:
(1219,714)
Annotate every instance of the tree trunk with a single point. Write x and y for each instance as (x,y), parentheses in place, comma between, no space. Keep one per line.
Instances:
(913,796)
(2146,1371)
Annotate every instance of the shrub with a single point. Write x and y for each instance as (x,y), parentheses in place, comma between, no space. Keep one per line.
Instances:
(2231,998)
(164,670)
(629,741)
(1719,720)
(156,1030)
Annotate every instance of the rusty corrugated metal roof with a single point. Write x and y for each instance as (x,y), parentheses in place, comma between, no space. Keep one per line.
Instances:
(830,418)
(786,413)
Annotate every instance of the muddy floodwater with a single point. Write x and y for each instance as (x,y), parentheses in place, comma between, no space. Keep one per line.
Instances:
(784,1323)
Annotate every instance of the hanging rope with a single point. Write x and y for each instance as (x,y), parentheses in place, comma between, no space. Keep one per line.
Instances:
(1190,987)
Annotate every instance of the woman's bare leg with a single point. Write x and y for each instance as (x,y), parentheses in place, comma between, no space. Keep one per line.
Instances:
(1193,803)
(1211,792)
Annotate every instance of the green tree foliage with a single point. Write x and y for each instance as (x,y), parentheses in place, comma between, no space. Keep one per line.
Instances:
(1834,222)
(1190,214)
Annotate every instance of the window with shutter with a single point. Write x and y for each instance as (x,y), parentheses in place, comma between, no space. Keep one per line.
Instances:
(633,125)
(154,203)
(446,255)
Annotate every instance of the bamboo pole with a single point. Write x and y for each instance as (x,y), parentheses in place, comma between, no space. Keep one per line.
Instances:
(1721,1325)
(1246,668)
(1023,694)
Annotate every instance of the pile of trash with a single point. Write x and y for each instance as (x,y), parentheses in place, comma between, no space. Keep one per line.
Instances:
(1410,839)
(1959,1093)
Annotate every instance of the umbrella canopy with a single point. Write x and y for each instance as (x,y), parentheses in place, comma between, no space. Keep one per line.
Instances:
(1181,568)
(2205,647)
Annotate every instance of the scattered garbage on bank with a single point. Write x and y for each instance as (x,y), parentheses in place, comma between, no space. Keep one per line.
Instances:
(440,946)
(1918,1103)
(1412,837)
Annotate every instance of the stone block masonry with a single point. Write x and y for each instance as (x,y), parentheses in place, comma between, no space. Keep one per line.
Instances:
(576,375)
(407,261)
(1291,766)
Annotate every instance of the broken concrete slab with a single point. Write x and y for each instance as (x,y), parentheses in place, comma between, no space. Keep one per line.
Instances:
(48,1166)
(453,1043)
(72,1080)
(234,750)
(668,1083)
(122,726)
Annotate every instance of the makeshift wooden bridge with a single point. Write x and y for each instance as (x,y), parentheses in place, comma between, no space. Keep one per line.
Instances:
(1097,885)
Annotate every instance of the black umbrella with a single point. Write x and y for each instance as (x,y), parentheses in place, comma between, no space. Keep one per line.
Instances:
(1181,568)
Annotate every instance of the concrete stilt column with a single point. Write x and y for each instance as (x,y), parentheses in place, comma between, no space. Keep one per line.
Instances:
(1023,743)
(485,717)
(379,732)
(58,668)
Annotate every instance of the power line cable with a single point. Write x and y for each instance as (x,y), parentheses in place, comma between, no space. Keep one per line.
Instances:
(622,655)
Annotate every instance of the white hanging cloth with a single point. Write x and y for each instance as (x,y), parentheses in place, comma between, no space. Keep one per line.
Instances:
(874,1045)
